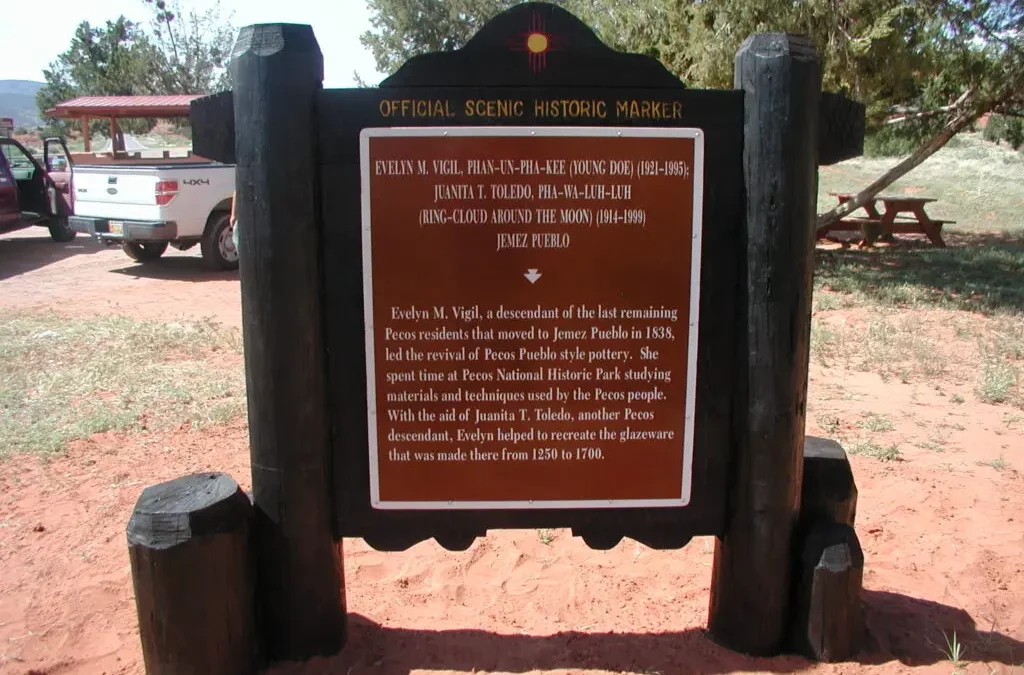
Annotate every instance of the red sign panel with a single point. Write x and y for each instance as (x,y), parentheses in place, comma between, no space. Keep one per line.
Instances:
(531,302)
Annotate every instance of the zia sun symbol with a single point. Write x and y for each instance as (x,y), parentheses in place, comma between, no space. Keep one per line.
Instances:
(536,42)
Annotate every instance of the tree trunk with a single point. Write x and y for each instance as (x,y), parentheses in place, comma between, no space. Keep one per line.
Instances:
(958,123)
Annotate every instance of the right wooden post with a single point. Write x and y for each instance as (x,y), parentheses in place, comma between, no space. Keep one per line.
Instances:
(751,591)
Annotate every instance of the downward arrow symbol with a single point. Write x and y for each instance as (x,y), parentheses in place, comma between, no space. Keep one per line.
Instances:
(532,275)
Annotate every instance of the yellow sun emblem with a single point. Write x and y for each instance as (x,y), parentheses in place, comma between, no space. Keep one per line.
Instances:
(537,43)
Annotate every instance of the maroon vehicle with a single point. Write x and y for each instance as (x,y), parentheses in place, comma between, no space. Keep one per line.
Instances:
(33,195)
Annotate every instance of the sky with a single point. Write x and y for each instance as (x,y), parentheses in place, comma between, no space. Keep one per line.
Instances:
(26,49)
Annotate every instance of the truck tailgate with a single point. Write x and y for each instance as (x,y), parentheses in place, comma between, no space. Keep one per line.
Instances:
(117,192)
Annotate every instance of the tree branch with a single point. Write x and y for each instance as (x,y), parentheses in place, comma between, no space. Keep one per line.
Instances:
(930,113)
(955,125)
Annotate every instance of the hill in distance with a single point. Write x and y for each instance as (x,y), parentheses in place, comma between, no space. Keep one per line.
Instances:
(18,101)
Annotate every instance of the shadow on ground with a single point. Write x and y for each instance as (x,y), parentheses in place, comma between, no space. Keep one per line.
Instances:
(900,628)
(175,268)
(24,253)
(914,632)
(976,272)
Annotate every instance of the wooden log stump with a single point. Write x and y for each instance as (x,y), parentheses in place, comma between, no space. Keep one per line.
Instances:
(829,491)
(188,543)
(828,621)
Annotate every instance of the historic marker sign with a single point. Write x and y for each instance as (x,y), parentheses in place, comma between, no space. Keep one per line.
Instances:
(488,273)
(531,305)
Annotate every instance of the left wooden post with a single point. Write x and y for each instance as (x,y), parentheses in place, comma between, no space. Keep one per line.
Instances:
(278,73)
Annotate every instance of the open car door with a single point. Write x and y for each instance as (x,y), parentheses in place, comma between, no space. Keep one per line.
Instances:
(41,201)
(10,212)
(61,192)
(30,179)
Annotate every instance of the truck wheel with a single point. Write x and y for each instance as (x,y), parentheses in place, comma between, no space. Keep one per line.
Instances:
(60,230)
(218,244)
(147,252)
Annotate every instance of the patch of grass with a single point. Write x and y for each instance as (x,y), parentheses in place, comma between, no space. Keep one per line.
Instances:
(931,445)
(884,346)
(956,398)
(893,347)
(954,652)
(63,379)
(984,274)
(999,463)
(963,329)
(1007,337)
(997,380)
(823,302)
(546,536)
(876,422)
(826,341)
(869,448)
(828,423)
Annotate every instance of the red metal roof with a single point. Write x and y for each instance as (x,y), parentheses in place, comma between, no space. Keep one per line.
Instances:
(175,105)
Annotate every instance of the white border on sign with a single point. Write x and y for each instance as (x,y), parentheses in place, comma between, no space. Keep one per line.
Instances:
(691,358)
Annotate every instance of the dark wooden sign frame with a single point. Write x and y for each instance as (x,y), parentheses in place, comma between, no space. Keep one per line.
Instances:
(345,113)
(296,148)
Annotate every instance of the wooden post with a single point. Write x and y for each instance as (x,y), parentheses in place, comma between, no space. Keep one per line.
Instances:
(85,134)
(750,592)
(829,492)
(828,622)
(277,71)
(188,543)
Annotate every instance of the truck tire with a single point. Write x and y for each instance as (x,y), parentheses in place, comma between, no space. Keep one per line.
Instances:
(146,252)
(60,230)
(218,244)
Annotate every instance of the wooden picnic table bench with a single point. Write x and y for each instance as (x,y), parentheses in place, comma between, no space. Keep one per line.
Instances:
(900,215)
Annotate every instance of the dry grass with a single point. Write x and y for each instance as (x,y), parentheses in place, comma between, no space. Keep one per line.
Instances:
(977,183)
(869,448)
(892,346)
(877,423)
(62,379)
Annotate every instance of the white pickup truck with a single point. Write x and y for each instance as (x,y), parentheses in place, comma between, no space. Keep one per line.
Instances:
(147,207)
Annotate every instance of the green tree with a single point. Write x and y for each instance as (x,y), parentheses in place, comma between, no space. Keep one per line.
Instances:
(871,49)
(405,28)
(977,47)
(185,51)
(193,47)
(113,60)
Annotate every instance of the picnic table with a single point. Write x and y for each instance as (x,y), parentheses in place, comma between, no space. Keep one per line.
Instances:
(899,214)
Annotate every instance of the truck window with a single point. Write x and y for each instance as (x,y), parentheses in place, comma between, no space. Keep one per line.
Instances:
(16,159)
(57,159)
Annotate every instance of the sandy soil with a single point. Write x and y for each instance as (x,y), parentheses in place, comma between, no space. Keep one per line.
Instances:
(84,277)
(943,536)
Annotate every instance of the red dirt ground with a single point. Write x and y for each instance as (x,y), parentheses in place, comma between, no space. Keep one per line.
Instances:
(943,536)
(84,277)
